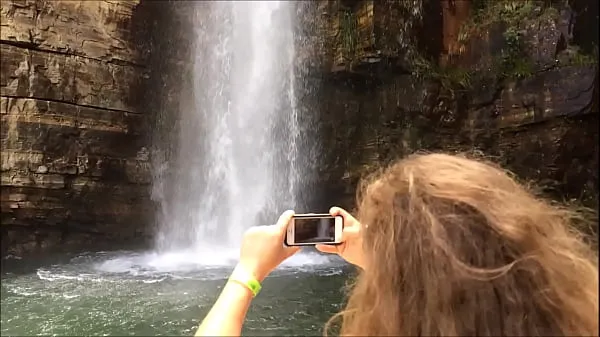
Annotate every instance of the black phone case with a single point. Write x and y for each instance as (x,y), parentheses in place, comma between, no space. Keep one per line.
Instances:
(310,216)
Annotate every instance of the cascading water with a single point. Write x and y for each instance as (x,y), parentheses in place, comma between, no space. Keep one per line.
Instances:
(230,162)
(236,162)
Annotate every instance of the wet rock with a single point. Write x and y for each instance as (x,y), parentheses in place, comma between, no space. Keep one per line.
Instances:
(542,124)
(563,92)
(70,125)
(547,36)
(94,29)
(66,78)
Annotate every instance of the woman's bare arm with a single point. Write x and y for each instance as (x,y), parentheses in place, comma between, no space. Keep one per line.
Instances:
(227,314)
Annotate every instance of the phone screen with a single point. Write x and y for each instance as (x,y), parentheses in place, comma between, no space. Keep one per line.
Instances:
(314,230)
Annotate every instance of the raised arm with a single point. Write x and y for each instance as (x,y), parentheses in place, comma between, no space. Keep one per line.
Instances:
(262,251)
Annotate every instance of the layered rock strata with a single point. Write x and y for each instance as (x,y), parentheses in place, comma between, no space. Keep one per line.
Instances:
(75,158)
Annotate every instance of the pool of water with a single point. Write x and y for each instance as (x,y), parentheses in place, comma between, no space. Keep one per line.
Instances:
(133,293)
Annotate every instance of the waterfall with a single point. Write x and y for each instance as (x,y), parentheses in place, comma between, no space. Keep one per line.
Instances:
(236,162)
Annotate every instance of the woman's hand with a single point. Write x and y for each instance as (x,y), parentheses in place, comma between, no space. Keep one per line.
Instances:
(351,247)
(263,249)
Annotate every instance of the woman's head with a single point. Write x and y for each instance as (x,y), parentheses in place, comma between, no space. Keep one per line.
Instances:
(457,247)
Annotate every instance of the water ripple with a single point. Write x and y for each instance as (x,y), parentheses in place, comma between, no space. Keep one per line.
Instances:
(124,293)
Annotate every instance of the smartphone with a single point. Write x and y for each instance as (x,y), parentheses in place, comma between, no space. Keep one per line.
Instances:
(313,229)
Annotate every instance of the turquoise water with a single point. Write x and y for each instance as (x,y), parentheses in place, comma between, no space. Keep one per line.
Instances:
(129,293)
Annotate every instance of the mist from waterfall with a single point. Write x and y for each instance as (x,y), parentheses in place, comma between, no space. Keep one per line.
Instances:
(235,163)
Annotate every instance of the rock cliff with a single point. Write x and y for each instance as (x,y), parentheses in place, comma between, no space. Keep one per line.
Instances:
(91,93)
(515,80)
(75,160)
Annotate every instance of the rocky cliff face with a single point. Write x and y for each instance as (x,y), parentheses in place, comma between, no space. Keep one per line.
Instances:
(75,166)
(84,82)
(515,80)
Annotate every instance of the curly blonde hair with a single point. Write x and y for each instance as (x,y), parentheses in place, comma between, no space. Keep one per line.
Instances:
(456,246)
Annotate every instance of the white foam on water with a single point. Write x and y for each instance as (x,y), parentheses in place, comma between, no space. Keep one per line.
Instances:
(178,263)
(309,259)
(70,296)
(186,260)
(152,267)
(23,291)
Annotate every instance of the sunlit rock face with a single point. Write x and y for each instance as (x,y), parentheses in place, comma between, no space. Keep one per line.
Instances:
(75,159)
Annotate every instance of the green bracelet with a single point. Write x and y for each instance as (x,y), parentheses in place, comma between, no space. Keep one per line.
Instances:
(246,279)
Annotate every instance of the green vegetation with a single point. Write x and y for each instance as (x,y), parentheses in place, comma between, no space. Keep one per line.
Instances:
(408,12)
(513,62)
(574,56)
(452,79)
(514,15)
(348,33)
